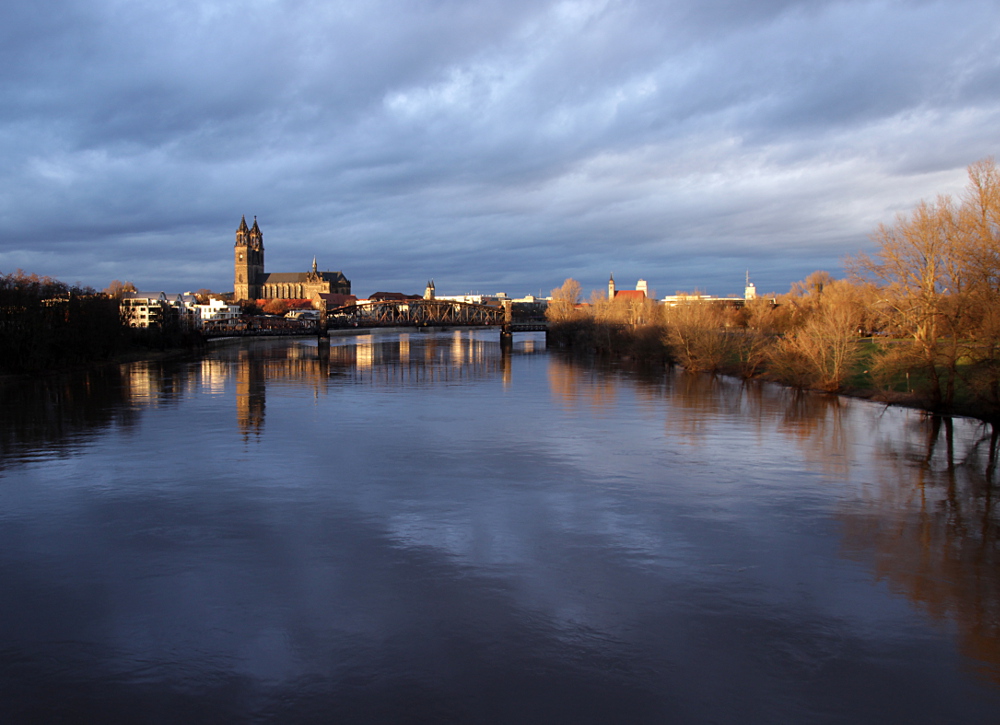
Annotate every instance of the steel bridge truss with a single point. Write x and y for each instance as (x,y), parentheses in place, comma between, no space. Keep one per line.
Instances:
(414,313)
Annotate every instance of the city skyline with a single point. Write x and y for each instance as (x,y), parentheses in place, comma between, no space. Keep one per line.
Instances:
(490,146)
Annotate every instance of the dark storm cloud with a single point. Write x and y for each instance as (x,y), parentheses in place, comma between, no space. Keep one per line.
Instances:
(488,145)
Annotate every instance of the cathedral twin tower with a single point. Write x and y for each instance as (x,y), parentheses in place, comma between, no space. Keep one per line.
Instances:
(251,282)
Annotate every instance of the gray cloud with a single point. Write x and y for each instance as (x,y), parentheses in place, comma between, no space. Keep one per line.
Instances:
(488,145)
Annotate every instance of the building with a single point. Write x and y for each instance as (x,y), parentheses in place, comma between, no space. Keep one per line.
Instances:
(154,309)
(640,292)
(252,282)
(749,294)
(216,313)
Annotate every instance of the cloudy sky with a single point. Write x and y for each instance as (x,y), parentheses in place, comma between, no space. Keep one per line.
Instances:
(491,145)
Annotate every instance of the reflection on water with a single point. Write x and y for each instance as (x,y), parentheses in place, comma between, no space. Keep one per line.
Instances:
(420,527)
(924,515)
(928,527)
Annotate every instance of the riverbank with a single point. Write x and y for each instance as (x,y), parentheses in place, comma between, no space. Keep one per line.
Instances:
(132,354)
(651,344)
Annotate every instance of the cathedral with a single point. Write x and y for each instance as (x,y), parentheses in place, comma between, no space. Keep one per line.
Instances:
(251,282)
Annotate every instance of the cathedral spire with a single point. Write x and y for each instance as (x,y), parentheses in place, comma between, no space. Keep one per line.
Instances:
(314,264)
(242,231)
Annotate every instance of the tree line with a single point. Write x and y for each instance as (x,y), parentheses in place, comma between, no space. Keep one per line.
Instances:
(916,320)
(46,324)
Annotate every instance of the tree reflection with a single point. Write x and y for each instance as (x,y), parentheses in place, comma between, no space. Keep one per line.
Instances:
(52,414)
(923,513)
(572,384)
(930,525)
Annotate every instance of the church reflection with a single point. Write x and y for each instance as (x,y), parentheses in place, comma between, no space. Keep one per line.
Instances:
(53,413)
(250,394)
(399,360)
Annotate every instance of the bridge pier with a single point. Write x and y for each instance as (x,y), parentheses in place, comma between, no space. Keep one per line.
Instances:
(507,328)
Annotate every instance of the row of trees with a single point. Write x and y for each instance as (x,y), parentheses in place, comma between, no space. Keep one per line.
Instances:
(46,324)
(808,337)
(927,300)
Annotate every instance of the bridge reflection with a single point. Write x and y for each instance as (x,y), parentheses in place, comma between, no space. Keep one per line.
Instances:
(402,360)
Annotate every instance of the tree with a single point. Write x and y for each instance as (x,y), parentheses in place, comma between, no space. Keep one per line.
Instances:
(275,307)
(756,327)
(821,351)
(695,335)
(118,289)
(979,235)
(919,269)
(810,290)
(563,302)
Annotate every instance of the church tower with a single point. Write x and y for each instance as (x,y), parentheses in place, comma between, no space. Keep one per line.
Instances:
(611,287)
(248,261)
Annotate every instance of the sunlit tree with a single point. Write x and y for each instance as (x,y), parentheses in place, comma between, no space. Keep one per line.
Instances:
(563,301)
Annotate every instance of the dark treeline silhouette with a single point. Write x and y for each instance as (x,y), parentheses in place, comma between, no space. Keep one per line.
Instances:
(46,324)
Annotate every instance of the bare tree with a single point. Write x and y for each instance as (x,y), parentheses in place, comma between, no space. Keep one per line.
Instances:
(118,289)
(563,302)
(822,350)
(695,335)
(979,239)
(918,267)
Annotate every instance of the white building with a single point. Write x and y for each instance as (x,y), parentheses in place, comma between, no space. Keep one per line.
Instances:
(152,309)
(216,312)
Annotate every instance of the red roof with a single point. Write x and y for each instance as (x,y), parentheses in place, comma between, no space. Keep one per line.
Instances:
(334,299)
(392,297)
(630,294)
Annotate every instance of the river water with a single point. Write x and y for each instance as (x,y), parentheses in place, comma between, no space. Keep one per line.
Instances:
(419,528)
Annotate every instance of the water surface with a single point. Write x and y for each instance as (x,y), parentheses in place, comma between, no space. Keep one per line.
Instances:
(418,528)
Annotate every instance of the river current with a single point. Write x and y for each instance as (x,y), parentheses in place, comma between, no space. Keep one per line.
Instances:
(422,528)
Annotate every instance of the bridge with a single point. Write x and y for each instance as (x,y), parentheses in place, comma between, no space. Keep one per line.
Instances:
(394,313)
(414,313)
(429,313)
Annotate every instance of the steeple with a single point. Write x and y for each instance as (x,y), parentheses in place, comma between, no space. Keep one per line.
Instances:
(241,232)
(611,287)
(256,237)
(314,264)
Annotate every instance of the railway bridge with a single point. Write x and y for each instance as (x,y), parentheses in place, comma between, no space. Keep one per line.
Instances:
(393,313)
(427,313)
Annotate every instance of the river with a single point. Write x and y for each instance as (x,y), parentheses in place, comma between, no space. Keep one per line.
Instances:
(420,528)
